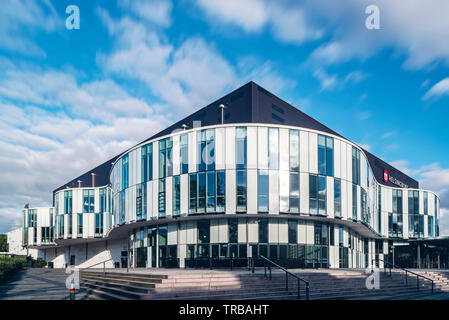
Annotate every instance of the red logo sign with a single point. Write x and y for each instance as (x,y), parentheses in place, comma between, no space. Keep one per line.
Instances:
(385,175)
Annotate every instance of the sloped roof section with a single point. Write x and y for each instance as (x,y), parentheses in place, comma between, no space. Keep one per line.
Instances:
(250,103)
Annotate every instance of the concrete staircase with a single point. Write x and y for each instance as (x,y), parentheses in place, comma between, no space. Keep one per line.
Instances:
(242,285)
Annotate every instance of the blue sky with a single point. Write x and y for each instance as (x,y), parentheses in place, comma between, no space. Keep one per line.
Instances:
(71,99)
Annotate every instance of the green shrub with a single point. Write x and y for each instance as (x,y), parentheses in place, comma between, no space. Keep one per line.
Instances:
(39,263)
(9,266)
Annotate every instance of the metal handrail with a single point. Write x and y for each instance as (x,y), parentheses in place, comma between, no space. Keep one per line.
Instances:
(96,264)
(403,269)
(299,279)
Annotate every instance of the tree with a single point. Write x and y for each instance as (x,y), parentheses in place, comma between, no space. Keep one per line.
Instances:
(3,243)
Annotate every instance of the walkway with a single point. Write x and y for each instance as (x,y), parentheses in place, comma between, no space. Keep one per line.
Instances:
(37,284)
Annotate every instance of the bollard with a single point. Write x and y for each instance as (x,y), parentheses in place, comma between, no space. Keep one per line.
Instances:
(72,291)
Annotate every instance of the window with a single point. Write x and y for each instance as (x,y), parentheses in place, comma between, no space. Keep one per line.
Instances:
(426,202)
(355,166)
(165,158)
(240,147)
(379,209)
(365,215)
(161,198)
(317,194)
(221,191)
(125,172)
(321,195)
(354,202)
(98,223)
(294,150)
(263,230)
(201,207)
(210,191)
(193,181)
(176,196)
(201,150)
(139,202)
(68,202)
(273,148)
(292,231)
(88,201)
(321,237)
(294,192)
(203,231)
(337,197)
(430,226)
(262,190)
(413,202)
(233,230)
(325,155)
(340,236)
(80,225)
(331,234)
(397,201)
(395,218)
(162,235)
(210,149)
(184,150)
(102,193)
(313,194)
(241,190)
(147,162)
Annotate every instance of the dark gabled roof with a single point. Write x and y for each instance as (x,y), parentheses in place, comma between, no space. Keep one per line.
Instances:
(101,177)
(378,166)
(248,104)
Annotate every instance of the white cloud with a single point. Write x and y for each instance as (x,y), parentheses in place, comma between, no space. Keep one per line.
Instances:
(414,29)
(439,89)
(19,19)
(251,15)
(328,82)
(156,11)
(288,24)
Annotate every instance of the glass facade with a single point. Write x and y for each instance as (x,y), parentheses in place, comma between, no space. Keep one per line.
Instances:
(325,155)
(262,191)
(147,162)
(240,147)
(317,194)
(88,200)
(395,218)
(355,166)
(241,190)
(337,197)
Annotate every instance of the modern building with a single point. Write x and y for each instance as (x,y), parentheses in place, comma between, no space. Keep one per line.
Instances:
(247,175)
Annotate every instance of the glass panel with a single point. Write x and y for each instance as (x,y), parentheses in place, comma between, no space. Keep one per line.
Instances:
(241,190)
(337,197)
(292,231)
(321,154)
(240,147)
(313,194)
(322,195)
(211,191)
(210,139)
(262,190)
(203,231)
(233,230)
(184,154)
(273,147)
(201,192)
(294,150)
(176,196)
(161,197)
(221,189)
(294,193)
(263,230)
(192,192)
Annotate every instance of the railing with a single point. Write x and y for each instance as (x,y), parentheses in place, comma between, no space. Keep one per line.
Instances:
(391,265)
(96,264)
(268,264)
